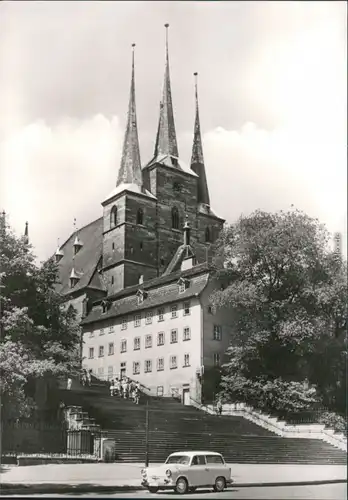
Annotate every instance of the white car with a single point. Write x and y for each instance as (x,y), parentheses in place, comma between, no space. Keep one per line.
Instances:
(188,470)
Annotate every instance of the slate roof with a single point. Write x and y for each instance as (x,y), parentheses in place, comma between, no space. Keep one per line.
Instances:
(207,210)
(160,291)
(85,261)
(132,188)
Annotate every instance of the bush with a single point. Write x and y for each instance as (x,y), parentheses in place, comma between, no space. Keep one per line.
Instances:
(334,421)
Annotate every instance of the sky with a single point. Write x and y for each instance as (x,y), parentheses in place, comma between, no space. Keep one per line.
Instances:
(272,93)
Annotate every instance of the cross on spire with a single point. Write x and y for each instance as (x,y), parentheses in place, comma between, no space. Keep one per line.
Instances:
(130,168)
(197,159)
(166,142)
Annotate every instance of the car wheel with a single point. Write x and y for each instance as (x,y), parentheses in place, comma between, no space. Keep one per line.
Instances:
(181,486)
(192,489)
(153,489)
(220,484)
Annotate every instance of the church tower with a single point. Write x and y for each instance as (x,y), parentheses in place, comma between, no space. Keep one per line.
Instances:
(172,182)
(129,216)
(208,224)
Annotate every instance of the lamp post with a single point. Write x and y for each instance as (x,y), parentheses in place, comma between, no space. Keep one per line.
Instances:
(147,434)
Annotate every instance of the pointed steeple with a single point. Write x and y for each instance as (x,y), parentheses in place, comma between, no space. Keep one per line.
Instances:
(26,233)
(130,168)
(197,159)
(166,143)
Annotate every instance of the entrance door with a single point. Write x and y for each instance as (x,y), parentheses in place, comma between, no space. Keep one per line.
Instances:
(123,370)
(186,397)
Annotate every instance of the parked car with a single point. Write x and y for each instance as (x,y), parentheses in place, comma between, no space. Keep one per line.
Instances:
(185,471)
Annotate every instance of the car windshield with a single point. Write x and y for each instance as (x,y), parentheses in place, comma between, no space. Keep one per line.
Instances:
(178,459)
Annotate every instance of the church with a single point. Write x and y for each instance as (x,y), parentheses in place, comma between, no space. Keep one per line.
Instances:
(140,276)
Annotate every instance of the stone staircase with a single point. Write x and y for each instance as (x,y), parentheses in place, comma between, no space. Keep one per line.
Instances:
(173,427)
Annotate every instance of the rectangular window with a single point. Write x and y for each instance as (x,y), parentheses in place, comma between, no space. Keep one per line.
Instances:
(148,341)
(160,314)
(100,372)
(148,318)
(136,368)
(210,310)
(101,351)
(174,336)
(137,320)
(148,366)
(217,332)
(182,287)
(101,331)
(124,324)
(186,360)
(160,338)
(136,343)
(110,371)
(111,329)
(187,333)
(160,390)
(160,364)
(123,345)
(91,353)
(216,359)
(174,311)
(173,362)
(186,308)
(111,349)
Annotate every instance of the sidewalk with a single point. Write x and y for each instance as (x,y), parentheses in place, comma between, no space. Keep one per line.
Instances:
(127,477)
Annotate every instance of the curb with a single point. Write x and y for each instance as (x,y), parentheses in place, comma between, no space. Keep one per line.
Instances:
(18,489)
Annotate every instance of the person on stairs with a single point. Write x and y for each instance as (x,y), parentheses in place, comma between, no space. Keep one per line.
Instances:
(89,378)
(124,387)
(112,387)
(219,407)
(69,383)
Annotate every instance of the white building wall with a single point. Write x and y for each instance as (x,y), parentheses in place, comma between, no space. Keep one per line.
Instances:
(111,332)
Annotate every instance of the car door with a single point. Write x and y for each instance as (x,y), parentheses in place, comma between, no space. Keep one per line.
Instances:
(198,471)
(216,467)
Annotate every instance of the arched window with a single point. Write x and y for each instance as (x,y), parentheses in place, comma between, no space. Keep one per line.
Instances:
(207,234)
(140,216)
(175,218)
(113,217)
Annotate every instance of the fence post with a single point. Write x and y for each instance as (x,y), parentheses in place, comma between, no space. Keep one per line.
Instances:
(147,435)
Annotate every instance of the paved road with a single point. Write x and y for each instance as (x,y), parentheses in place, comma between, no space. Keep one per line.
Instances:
(319,492)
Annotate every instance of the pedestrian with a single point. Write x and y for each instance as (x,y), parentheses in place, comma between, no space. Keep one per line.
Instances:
(69,383)
(219,407)
(118,387)
(89,378)
(84,378)
(124,388)
(112,387)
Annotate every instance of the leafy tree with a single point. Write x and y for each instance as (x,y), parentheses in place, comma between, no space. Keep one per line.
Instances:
(39,336)
(287,293)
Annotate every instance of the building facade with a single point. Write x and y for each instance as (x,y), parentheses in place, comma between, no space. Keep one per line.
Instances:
(140,275)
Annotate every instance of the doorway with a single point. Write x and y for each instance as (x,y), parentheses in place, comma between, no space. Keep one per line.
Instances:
(123,370)
(186,397)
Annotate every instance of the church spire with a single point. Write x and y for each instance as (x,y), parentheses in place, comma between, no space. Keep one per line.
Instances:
(130,168)
(166,143)
(26,233)
(197,160)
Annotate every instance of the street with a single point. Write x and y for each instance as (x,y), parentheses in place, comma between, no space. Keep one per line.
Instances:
(313,492)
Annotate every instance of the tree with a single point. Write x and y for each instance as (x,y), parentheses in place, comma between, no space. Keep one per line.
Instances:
(39,336)
(287,295)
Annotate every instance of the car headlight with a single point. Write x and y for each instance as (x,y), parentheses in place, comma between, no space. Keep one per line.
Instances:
(168,473)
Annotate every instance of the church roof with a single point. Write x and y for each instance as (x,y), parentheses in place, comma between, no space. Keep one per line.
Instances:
(160,291)
(207,210)
(166,142)
(171,162)
(132,188)
(84,262)
(182,253)
(130,168)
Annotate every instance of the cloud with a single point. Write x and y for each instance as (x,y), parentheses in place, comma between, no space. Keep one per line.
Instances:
(54,174)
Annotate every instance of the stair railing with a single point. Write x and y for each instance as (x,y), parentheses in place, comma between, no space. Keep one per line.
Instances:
(201,406)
